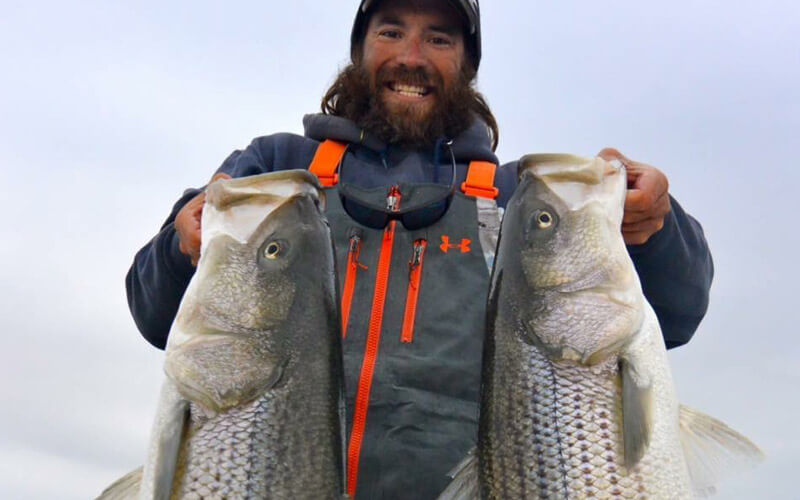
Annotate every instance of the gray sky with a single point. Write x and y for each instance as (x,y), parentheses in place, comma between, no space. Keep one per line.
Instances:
(108,110)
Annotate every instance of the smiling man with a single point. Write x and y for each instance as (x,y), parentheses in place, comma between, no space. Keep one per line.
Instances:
(406,146)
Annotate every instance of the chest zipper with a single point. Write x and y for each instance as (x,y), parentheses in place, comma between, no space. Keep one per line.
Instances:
(414,282)
(371,349)
(353,265)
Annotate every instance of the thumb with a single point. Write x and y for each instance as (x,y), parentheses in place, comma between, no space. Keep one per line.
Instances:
(609,154)
(218,176)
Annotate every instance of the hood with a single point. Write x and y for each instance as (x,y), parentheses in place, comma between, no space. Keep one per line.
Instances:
(474,144)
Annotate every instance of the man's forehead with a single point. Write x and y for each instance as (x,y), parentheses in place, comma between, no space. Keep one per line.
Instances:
(393,10)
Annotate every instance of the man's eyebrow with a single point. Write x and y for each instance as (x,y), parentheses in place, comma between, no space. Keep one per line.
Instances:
(448,29)
(388,18)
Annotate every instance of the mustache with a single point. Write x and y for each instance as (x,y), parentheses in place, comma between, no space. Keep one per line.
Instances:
(412,76)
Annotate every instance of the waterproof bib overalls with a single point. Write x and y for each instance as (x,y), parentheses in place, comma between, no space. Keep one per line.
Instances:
(413,307)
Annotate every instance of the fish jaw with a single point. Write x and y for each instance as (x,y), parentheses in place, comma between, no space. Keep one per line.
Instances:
(220,372)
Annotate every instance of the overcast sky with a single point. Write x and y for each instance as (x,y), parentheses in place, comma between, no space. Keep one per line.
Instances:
(108,110)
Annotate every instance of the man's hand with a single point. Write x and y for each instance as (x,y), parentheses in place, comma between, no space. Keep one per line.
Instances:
(187,223)
(647,201)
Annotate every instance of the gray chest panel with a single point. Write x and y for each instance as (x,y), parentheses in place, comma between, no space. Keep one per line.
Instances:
(423,399)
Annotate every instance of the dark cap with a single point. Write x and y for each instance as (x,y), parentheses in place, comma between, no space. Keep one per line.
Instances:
(469,10)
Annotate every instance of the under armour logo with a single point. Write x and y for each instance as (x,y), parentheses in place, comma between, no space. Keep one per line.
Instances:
(446,246)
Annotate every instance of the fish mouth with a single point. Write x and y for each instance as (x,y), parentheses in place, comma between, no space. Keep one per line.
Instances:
(578,182)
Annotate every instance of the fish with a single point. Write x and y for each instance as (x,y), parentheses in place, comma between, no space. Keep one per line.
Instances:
(252,403)
(577,399)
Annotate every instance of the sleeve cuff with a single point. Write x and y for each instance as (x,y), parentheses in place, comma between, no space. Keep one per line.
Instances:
(179,262)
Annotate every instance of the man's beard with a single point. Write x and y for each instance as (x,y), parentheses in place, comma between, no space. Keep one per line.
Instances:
(360,100)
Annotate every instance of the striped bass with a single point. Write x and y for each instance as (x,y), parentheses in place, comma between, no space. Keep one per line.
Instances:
(577,396)
(250,408)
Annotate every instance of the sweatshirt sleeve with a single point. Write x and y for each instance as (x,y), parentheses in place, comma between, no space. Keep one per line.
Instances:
(676,270)
(157,279)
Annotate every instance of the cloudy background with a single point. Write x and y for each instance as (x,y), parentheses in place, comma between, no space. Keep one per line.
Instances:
(108,110)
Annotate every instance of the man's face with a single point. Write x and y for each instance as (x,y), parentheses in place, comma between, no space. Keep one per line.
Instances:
(413,52)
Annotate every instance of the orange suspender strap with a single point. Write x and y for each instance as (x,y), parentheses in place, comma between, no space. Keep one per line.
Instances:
(480,180)
(326,162)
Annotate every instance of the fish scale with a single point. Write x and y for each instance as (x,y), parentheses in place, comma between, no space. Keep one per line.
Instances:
(233,455)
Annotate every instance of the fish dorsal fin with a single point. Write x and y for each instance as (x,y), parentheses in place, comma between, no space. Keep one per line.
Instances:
(637,410)
(165,443)
(713,450)
(465,485)
(125,488)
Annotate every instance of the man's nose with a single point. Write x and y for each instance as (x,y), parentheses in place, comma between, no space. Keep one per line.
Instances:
(412,52)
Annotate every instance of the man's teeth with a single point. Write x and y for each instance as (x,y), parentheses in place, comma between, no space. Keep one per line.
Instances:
(409,90)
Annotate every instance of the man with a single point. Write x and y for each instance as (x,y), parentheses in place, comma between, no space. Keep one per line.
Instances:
(413,261)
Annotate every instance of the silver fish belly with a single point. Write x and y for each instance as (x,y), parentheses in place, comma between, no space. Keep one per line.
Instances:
(553,429)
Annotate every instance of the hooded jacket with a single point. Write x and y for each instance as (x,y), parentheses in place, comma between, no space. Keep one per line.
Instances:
(421,401)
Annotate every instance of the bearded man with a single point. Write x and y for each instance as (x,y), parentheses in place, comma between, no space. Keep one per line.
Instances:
(415,278)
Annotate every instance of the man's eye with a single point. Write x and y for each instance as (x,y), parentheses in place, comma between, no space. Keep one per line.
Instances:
(389,34)
(438,40)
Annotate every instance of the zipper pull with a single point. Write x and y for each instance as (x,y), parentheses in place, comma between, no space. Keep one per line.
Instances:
(414,282)
(393,199)
(416,258)
(350,276)
(355,248)
(355,244)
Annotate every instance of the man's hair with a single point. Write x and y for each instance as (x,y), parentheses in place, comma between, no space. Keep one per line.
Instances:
(339,101)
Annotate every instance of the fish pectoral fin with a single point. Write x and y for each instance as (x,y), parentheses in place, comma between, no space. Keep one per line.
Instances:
(165,443)
(464,485)
(125,488)
(637,410)
(713,450)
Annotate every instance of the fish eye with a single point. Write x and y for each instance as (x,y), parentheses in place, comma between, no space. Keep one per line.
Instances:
(272,250)
(544,219)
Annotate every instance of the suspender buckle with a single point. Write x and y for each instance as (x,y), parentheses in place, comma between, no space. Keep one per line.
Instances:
(328,180)
(325,164)
(480,180)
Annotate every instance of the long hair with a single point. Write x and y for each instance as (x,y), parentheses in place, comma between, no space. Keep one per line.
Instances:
(338,100)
